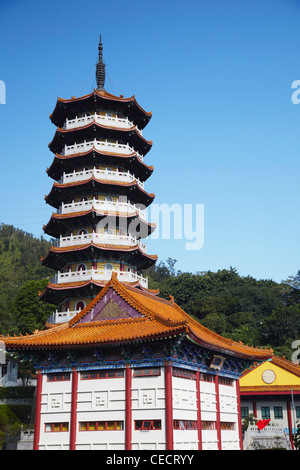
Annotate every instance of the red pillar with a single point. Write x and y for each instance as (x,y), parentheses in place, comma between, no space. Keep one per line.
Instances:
(199,424)
(218,420)
(37,421)
(169,407)
(128,408)
(290,422)
(238,395)
(73,425)
(254,409)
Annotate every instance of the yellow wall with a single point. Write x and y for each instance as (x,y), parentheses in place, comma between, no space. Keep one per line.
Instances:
(282,377)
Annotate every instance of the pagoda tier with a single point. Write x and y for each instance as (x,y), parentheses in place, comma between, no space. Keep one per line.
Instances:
(65,138)
(66,163)
(92,186)
(134,255)
(68,108)
(60,223)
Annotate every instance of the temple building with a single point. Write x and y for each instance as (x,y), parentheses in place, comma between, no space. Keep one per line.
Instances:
(118,367)
(271,391)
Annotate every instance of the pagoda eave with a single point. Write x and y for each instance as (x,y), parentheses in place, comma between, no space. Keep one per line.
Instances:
(56,258)
(60,223)
(65,107)
(93,129)
(133,191)
(65,163)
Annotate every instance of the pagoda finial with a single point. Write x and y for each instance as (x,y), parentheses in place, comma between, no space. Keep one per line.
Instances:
(100,68)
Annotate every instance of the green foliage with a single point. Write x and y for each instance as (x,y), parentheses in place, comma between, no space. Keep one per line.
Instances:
(20,255)
(256,312)
(31,313)
(16,392)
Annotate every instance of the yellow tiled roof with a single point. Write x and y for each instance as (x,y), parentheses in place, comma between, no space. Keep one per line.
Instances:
(159,319)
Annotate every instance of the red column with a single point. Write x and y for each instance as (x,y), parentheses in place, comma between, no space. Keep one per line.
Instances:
(73,425)
(218,420)
(254,409)
(199,424)
(169,407)
(128,408)
(290,423)
(37,421)
(238,395)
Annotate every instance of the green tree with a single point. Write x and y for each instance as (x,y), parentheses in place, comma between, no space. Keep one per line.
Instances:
(31,312)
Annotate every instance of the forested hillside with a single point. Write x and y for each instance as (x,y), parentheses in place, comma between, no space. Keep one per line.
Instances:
(20,255)
(256,312)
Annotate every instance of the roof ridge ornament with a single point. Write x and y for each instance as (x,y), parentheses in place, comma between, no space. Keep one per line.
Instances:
(100,68)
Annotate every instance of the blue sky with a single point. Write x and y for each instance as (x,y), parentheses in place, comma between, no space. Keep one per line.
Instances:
(217,76)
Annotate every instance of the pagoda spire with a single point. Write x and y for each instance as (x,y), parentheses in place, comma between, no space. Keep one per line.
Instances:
(100,68)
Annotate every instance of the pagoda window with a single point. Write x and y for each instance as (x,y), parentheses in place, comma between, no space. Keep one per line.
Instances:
(83,199)
(80,305)
(81,267)
(183,373)
(147,425)
(146,372)
(102,374)
(56,427)
(108,199)
(82,232)
(108,267)
(58,377)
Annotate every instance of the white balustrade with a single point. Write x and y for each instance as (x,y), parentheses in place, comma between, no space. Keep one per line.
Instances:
(101,206)
(121,123)
(101,174)
(102,239)
(101,145)
(62,317)
(97,275)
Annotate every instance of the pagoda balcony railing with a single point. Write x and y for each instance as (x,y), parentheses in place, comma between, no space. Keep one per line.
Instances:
(62,317)
(101,145)
(100,239)
(97,275)
(101,206)
(107,120)
(108,175)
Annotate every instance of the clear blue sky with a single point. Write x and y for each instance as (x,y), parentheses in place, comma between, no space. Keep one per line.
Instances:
(217,76)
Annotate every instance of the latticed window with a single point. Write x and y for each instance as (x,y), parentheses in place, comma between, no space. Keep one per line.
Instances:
(102,374)
(56,427)
(147,425)
(101,426)
(147,371)
(183,373)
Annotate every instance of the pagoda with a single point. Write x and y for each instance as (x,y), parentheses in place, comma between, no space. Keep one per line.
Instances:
(128,370)
(99,195)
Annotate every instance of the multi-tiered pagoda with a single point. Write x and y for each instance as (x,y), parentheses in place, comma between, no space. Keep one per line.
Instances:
(99,195)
